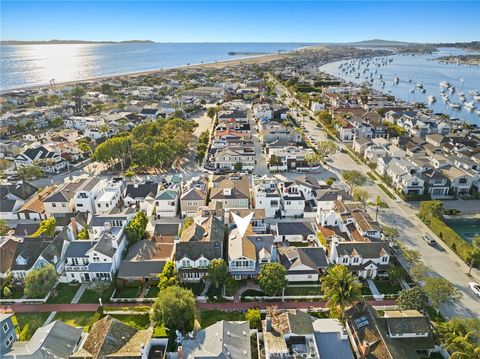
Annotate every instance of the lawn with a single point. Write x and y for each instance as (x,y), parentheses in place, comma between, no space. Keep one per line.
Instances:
(63,293)
(138,321)
(153,292)
(78,319)
(91,296)
(209,317)
(386,287)
(128,292)
(365,289)
(303,291)
(387,192)
(28,323)
(17,293)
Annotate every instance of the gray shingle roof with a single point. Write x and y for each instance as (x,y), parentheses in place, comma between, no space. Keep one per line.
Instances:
(294,228)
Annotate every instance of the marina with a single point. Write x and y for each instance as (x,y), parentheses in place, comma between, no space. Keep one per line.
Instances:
(419,78)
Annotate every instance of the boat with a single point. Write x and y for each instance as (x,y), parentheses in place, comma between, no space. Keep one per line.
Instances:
(445,84)
(396,80)
(412,90)
(452,89)
(431,98)
(420,85)
(469,105)
(476,97)
(454,105)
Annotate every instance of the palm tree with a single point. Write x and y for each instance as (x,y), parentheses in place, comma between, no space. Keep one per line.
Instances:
(341,289)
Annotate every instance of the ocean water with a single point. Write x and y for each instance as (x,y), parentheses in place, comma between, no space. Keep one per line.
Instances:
(426,70)
(31,65)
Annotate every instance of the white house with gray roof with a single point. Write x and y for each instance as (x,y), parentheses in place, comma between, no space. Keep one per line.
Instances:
(166,203)
(87,261)
(365,259)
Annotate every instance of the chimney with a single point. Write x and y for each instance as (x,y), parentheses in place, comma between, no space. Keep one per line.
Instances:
(180,352)
(73,222)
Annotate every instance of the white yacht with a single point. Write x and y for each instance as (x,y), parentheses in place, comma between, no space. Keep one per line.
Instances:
(444,84)
(469,105)
(431,98)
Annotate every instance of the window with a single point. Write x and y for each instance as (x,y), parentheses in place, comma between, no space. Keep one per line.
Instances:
(64,205)
(384,259)
(345,260)
(54,205)
(9,340)
(5,328)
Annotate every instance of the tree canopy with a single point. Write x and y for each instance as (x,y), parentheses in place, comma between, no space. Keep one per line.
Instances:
(413,298)
(150,145)
(136,227)
(169,276)
(40,281)
(460,336)
(353,179)
(174,307)
(441,291)
(217,272)
(46,228)
(272,278)
(341,289)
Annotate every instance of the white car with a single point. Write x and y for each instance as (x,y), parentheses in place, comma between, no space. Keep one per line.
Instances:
(475,287)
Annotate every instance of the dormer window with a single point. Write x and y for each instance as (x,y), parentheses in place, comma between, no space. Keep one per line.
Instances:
(384,259)
(21,261)
(345,260)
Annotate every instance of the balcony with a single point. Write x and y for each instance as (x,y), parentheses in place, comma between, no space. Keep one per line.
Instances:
(76,268)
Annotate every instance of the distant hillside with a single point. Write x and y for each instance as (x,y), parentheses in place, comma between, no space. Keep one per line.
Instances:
(381,43)
(61,42)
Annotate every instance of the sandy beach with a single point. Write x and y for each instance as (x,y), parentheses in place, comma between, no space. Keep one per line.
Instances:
(215,65)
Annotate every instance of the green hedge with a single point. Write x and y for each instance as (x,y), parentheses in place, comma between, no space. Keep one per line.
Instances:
(430,214)
(387,192)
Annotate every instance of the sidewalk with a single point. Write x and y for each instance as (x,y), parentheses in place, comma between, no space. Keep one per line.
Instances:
(228,306)
(79,293)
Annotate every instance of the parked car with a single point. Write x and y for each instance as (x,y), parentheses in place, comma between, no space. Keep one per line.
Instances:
(475,287)
(429,239)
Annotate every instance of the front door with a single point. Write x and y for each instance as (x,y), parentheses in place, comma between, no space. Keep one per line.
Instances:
(87,277)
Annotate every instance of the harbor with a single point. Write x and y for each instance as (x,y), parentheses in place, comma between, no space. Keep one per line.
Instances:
(445,88)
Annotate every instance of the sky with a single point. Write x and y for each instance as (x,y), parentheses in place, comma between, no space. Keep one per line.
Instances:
(247,21)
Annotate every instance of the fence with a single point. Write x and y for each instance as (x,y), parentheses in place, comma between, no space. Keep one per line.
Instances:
(25,300)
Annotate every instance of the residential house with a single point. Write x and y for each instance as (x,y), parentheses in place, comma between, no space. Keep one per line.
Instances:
(232,191)
(288,334)
(266,196)
(34,208)
(94,260)
(98,196)
(141,195)
(8,333)
(292,200)
(365,259)
(111,338)
(8,246)
(293,232)
(49,161)
(166,203)
(198,245)
(303,264)
(194,195)
(461,180)
(61,202)
(55,340)
(223,340)
(292,158)
(231,156)
(13,196)
(436,183)
(33,253)
(144,261)
(396,335)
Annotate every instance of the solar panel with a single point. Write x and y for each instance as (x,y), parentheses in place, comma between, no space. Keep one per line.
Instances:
(361,322)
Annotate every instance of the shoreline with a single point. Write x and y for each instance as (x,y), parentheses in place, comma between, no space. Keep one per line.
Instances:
(248,60)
